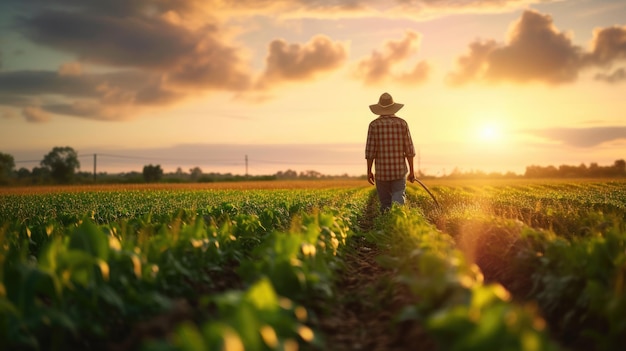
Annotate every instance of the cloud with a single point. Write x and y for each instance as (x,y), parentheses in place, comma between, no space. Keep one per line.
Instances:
(536,51)
(33,83)
(187,57)
(429,9)
(35,115)
(618,75)
(111,7)
(608,45)
(150,54)
(297,8)
(8,114)
(415,10)
(582,137)
(380,66)
(119,41)
(107,96)
(293,62)
(71,69)
(153,56)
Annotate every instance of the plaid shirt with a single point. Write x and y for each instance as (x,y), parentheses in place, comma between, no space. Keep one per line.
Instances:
(389,143)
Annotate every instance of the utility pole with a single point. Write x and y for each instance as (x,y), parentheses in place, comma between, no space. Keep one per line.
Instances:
(246,166)
(95,156)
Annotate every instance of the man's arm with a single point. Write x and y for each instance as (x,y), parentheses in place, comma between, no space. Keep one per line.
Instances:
(411,176)
(409,152)
(370,175)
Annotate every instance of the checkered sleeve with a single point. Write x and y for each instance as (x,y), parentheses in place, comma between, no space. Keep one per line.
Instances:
(409,149)
(370,146)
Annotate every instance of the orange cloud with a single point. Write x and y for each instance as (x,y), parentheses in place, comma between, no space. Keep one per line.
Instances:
(8,114)
(71,69)
(160,52)
(417,10)
(582,137)
(157,60)
(35,115)
(292,62)
(608,45)
(618,75)
(537,51)
(379,66)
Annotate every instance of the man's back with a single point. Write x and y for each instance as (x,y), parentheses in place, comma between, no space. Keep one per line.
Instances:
(389,143)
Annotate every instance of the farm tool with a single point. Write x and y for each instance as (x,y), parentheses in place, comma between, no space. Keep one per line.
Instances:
(427,190)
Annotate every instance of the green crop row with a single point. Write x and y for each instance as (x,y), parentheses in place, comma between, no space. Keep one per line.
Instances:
(287,269)
(40,216)
(109,206)
(578,283)
(450,299)
(565,208)
(519,266)
(559,246)
(80,283)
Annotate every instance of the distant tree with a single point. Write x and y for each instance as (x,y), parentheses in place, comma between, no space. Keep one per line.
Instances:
(7,163)
(152,173)
(196,173)
(288,174)
(594,169)
(23,173)
(310,174)
(568,171)
(62,162)
(40,174)
(620,167)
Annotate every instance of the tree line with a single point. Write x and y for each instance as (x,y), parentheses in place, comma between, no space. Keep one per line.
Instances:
(61,166)
(617,169)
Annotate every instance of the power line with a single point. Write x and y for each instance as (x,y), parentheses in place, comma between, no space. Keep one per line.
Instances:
(165,159)
(247,161)
(306,163)
(229,162)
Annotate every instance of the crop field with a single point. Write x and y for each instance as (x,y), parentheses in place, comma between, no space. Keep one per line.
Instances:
(498,265)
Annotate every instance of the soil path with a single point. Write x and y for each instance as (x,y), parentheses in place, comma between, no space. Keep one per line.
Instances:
(368,300)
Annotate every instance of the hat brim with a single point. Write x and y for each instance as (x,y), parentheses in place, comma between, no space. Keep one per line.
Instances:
(388,110)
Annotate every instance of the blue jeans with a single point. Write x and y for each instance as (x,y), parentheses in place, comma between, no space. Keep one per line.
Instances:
(390,191)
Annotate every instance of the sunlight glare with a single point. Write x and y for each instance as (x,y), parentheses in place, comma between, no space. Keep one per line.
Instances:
(490,133)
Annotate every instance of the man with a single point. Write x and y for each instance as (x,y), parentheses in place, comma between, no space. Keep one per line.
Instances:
(389,146)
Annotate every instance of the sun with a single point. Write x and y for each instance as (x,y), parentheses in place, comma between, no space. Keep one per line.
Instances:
(489,133)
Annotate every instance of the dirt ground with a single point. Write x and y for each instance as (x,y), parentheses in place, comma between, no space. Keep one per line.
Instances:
(368,300)
(362,317)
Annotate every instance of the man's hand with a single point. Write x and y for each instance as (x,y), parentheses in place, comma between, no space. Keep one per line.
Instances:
(370,178)
(411,177)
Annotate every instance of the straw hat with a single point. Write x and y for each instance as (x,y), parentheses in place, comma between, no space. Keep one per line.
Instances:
(385,105)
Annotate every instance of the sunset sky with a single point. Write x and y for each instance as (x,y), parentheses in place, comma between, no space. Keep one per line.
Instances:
(492,85)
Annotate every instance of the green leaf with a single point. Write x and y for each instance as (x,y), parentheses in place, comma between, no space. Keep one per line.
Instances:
(111,297)
(263,296)
(89,238)
(189,338)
